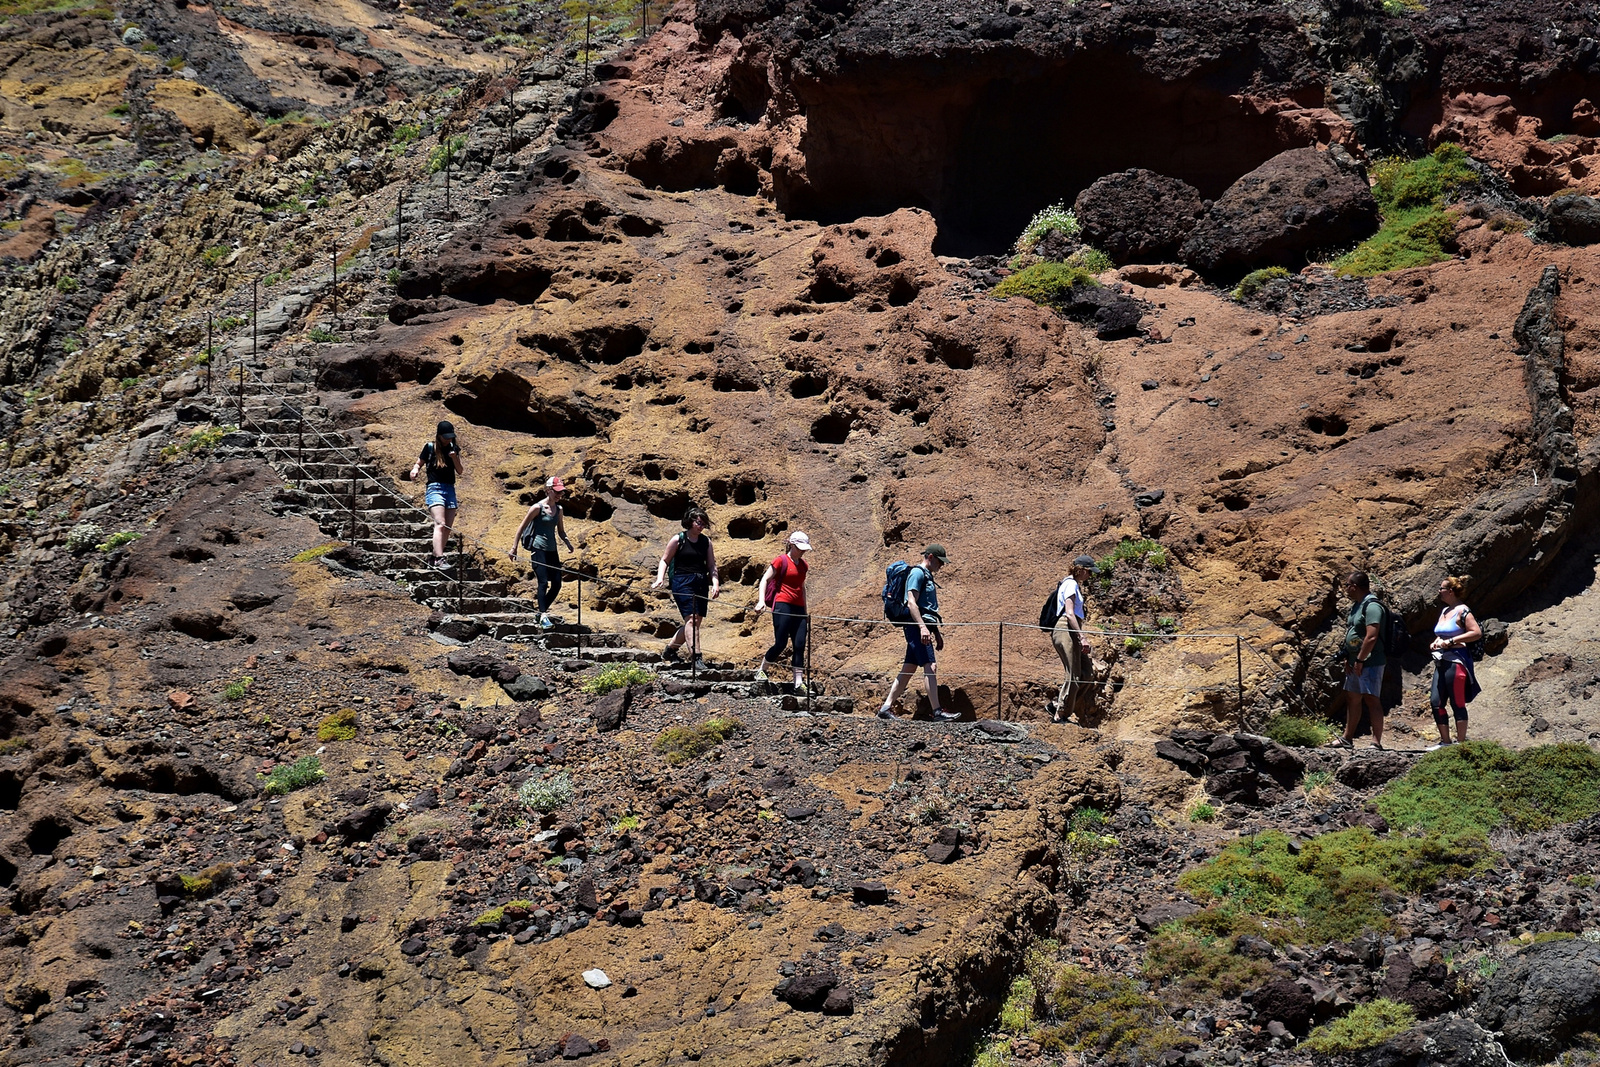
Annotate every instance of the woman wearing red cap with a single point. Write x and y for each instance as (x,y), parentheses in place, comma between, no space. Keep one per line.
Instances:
(783,589)
(538,532)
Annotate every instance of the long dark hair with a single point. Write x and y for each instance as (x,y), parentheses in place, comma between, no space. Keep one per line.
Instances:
(696,513)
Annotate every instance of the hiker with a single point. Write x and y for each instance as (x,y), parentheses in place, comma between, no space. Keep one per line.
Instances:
(1363,661)
(441,458)
(540,527)
(1454,680)
(919,607)
(783,589)
(1070,640)
(693,568)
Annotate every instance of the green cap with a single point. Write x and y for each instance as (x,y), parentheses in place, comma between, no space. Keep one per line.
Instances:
(938,553)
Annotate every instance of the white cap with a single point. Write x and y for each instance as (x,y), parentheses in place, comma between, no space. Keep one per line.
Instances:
(799,540)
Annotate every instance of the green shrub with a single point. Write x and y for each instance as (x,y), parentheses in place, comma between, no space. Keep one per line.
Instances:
(1202,812)
(1403,7)
(548,794)
(117,540)
(625,824)
(237,690)
(321,335)
(14,744)
(1199,957)
(200,440)
(66,284)
(215,254)
(1057,218)
(118,110)
(287,777)
(1142,552)
(84,536)
(1336,885)
(1108,1015)
(1411,195)
(315,553)
(494,915)
(1367,1026)
(619,676)
(1252,283)
(231,322)
(340,726)
(1296,731)
(1016,1013)
(444,155)
(404,135)
(1090,259)
(393,276)
(1475,786)
(682,743)
(1049,284)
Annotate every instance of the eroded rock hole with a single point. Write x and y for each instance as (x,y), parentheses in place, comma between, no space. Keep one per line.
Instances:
(670,506)
(832,428)
(1329,425)
(1234,502)
(747,527)
(47,835)
(579,506)
(8,873)
(10,791)
(808,385)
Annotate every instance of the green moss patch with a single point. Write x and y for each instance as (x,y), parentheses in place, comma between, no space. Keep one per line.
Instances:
(1105,1014)
(1367,1026)
(1417,229)
(1198,957)
(616,677)
(1049,284)
(1477,786)
(680,744)
(1251,283)
(1334,886)
(340,726)
(1296,731)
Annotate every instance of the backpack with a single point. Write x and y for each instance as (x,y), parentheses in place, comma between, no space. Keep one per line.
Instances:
(1050,614)
(896,575)
(774,586)
(1393,633)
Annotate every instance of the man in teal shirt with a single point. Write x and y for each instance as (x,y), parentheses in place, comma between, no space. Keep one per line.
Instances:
(1363,661)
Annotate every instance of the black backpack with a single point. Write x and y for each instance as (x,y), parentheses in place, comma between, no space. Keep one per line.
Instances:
(1393,633)
(1050,614)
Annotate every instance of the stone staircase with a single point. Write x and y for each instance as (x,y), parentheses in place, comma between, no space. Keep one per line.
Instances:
(331,481)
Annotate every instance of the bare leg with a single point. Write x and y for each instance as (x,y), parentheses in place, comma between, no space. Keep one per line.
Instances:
(899,686)
(928,673)
(1461,730)
(442,517)
(1352,715)
(1375,713)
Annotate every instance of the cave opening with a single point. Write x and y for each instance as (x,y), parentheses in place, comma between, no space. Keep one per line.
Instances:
(983,154)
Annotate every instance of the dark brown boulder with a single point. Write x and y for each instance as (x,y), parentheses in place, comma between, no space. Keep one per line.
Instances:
(612,708)
(1574,220)
(1138,216)
(1293,204)
(1283,1000)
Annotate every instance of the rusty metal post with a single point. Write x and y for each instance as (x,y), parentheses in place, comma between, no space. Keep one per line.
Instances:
(809,682)
(300,443)
(400,237)
(255,309)
(588,23)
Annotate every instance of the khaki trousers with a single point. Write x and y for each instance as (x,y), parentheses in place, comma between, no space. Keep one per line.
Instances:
(1077,690)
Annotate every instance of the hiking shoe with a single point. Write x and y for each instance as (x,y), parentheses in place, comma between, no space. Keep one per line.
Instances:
(1377,747)
(762,679)
(700,665)
(801,689)
(440,564)
(1437,747)
(885,713)
(1340,742)
(670,655)
(544,622)
(945,715)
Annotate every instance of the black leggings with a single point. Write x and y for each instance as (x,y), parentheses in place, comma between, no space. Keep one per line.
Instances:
(789,623)
(547,571)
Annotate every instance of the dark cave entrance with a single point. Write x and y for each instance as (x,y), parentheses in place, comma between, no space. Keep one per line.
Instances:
(984,153)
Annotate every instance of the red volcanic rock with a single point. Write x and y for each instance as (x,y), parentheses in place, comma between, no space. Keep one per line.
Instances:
(1138,216)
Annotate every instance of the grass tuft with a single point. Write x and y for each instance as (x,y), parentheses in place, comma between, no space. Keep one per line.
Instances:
(1477,786)
(1367,1026)
(679,744)
(237,690)
(619,676)
(1297,732)
(1252,283)
(1411,195)
(547,794)
(1142,552)
(286,778)
(1202,812)
(315,553)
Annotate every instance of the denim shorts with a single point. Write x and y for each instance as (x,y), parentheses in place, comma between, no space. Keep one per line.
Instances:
(440,495)
(1368,681)
(692,593)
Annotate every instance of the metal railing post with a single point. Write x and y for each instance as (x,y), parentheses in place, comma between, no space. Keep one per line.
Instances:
(1000,676)
(809,683)
(1238,663)
(352,501)
(461,574)
(211,346)
(580,607)
(241,394)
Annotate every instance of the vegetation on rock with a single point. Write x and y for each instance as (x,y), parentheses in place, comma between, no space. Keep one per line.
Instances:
(546,794)
(1296,731)
(1367,1026)
(1049,284)
(1251,283)
(1476,786)
(682,743)
(1057,218)
(340,726)
(287,777)
(1417,229)
(619,676)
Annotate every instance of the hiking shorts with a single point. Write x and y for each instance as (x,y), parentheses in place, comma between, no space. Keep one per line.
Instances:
(440,495)
(692,593)
(1368,681)
(916,652)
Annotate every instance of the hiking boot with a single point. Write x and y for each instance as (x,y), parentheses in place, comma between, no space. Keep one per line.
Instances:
(762,679)
(670,655)
(440,564)
(885,713)
(945,715)
(700,665)
(801,689)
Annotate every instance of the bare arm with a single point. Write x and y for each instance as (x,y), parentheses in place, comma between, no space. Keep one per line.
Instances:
(666,561)
(526,519)
(455,460)
(561,528)
(711,565)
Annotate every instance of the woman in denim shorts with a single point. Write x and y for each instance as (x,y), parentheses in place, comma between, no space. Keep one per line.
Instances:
(441,458)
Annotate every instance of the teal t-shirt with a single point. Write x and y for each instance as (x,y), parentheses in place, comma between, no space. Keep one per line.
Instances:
(921,582)
(1367,613)
(544,529)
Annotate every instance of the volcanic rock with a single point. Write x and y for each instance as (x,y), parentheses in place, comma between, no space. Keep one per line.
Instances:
(1282,999)
(611,709)
(1138,216)
(1294,203)
(479,664)
(526,687)
(1574,220)
(1368,770)
(1543,997)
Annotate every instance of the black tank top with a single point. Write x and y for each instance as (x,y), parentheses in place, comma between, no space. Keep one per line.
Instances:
(692,556)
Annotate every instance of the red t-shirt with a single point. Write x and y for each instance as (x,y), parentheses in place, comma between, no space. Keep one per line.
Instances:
(791,579)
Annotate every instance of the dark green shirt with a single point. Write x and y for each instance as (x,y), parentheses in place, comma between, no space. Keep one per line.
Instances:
(1367,613)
